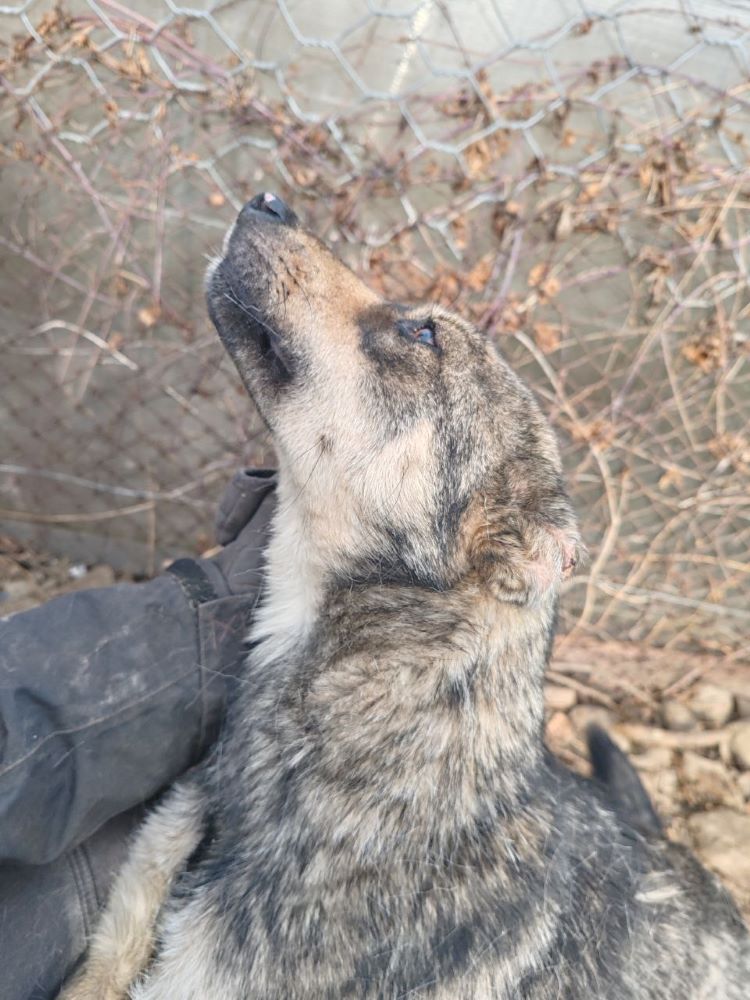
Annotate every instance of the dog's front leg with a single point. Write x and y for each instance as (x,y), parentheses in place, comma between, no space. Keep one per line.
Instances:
(123,942)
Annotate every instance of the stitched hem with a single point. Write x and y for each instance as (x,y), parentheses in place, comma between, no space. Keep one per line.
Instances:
(83,880)
(194,581)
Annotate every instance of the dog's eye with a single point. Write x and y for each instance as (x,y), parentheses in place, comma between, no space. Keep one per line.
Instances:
(423,333)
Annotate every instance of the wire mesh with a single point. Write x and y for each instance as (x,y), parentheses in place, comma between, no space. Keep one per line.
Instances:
(572,175)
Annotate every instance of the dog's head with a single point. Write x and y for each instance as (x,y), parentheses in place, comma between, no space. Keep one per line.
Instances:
(407,446)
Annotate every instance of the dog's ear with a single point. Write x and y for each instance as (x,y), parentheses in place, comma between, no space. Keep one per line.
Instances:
(522,547)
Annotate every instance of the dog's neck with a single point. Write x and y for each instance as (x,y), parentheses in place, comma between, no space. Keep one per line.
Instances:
(294,586)
(392,692)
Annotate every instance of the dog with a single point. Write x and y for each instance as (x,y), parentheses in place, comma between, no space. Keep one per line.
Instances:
(380,817)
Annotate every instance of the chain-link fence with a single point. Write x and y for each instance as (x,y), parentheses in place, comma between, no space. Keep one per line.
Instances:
(571,174)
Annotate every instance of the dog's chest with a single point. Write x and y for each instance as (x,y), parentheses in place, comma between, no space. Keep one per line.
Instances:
(294,904)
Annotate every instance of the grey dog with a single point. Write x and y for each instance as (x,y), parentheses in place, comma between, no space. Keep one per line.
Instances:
(380,818)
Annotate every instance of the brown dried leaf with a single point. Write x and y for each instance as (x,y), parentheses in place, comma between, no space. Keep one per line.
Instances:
(479,275)
(550,287)
(590,191)
(536,275)
(564,225)
(464,103)
(547,336)
(704,352)
(460,233)
(304,176)
(600,432)
(512,315)
(477,157)
(142,61)
(484,153)
(446,286)
(80,39)
(733,448)
(504,215)
(49,23)
(672,477)
(148,316)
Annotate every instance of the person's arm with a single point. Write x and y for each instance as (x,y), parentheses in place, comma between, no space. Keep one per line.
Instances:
(108,695)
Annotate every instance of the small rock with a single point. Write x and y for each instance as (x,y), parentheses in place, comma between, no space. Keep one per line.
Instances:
(708,783)
(558,698)
(739,745)
(652,760)
(8,608)
(743,706)
(677,716)
(559,730)
(743,782)
(722,838)
(662,788)
(659,778)
(15,589)
(711,704)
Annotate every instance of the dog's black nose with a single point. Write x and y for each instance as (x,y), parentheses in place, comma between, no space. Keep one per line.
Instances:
(271,204)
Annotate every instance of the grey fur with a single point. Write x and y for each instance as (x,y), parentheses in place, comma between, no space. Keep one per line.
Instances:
(380,818)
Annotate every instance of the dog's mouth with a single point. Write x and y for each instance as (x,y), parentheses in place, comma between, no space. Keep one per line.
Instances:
(267,344)
(236,307)
(252,340)
(271,351)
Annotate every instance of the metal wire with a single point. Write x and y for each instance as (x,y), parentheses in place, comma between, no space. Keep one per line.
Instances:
(572,175)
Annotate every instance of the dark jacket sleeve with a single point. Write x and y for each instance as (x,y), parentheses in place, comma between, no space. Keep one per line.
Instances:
(91,678)
(106,696)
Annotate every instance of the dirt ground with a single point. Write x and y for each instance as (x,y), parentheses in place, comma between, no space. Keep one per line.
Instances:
(683,718)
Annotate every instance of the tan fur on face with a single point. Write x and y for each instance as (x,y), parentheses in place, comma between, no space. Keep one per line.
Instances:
(326,504)
(322,298)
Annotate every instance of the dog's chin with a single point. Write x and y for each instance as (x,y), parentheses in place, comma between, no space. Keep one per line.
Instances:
(251,340)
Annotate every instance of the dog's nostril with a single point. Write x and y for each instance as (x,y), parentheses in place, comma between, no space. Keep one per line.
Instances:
(271,204)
